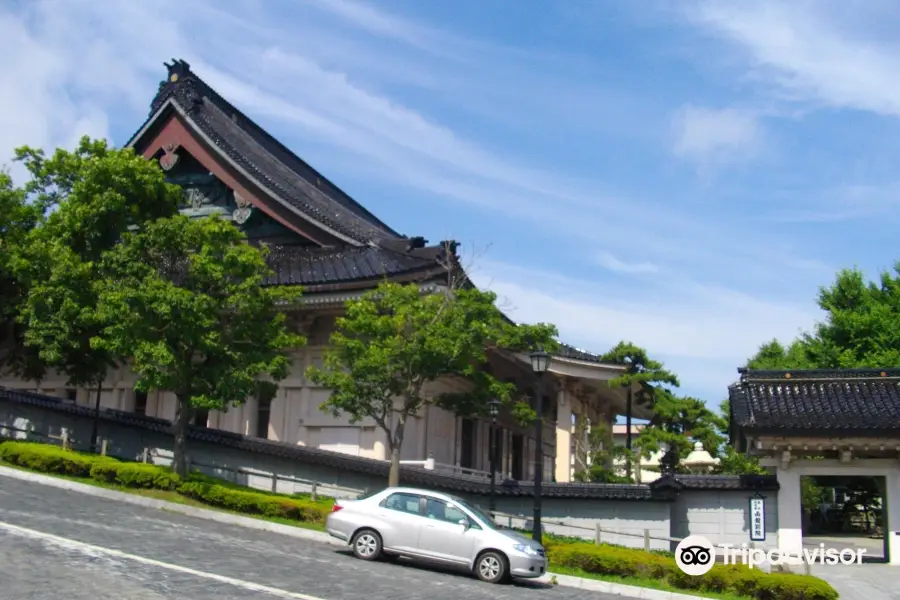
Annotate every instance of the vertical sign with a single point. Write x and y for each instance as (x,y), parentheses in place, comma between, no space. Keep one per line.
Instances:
(758,519)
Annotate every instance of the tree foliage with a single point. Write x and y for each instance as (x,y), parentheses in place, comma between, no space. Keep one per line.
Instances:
(17,218)
(642,372)
(678,422)
(184,300)
(597,458)
(395,341)
(861,328)
(91,196)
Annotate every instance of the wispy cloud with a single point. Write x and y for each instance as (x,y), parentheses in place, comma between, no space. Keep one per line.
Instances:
(833,54)
(466,126)
(715,136)
(692,325)
(609,261)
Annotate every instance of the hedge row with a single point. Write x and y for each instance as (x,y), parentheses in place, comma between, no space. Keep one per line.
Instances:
(208,490)
(735,579)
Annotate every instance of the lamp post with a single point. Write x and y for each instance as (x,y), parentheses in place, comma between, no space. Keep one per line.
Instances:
(494,407)
(540,362)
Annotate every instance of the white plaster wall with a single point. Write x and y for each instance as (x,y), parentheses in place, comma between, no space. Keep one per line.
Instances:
(722,517)
(790,532)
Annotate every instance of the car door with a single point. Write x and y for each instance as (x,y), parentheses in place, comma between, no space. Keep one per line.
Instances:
(400,520)
(442,537)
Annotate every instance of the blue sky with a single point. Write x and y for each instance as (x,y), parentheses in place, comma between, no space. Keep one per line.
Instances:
(683,175)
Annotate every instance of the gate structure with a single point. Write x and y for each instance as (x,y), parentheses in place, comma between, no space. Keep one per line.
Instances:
(820,423)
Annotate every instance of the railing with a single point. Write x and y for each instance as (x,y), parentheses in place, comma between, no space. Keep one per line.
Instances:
(314,488)
(311,486)
(430,465)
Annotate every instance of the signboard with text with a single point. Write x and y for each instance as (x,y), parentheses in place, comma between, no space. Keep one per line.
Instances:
(758,519)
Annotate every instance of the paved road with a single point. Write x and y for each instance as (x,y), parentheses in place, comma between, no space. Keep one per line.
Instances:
(60,544)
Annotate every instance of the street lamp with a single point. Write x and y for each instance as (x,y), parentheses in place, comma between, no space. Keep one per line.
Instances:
(494,407)
(540,362)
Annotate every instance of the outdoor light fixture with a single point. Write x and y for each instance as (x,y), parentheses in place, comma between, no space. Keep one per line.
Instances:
(494,408)
(540,361)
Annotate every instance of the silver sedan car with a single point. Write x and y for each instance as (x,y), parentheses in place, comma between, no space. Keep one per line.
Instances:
(434,527)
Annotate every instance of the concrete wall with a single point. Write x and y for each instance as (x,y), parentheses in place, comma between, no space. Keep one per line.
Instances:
(580,518)
(722,517)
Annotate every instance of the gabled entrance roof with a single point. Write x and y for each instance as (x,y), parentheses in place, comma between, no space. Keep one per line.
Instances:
(862,402)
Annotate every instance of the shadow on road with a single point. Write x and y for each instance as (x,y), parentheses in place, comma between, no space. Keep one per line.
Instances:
(441,568)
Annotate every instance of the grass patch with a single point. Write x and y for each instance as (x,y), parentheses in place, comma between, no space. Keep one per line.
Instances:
(149,481)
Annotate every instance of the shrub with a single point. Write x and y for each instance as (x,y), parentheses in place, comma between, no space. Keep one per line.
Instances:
(610,560)
(136,475)
(741,580)
(253,502)
(51,459)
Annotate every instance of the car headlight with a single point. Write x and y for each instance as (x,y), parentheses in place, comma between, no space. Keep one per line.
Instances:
(526,549)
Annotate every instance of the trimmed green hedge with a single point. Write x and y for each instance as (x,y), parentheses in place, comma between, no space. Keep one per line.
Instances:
(208,490)
(735,579)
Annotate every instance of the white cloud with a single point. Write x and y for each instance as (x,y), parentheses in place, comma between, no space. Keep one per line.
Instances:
(826,53)
(609,261)
(711,135)
(50,94)
(694,326)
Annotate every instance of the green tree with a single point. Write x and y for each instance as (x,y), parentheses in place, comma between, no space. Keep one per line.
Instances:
(678,422)
(860,328)
(394,341)
(731,461)
(17,218)
(185,302)
(92,195)
(642,372)
(596,457)
(775,356)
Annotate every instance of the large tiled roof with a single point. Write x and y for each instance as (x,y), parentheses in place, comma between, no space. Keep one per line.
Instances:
(311,266)
(265,158)
(410,475)
(567,351)
(863,402)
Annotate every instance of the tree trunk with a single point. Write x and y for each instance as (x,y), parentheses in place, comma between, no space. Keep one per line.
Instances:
(179,429)
(396,442)
(95,425)
(394,474)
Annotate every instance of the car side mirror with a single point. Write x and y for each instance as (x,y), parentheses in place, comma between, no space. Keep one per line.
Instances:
(465,523)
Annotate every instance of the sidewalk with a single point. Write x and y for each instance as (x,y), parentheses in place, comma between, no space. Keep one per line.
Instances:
(618,589)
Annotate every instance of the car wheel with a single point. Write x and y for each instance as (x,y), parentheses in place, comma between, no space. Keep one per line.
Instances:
(491,567)
(366,545)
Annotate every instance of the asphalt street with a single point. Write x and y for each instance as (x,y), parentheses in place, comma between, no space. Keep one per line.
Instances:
(60,544)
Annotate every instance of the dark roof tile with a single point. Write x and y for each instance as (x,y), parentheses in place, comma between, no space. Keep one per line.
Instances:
(266,159)
(717,482)
(308,265)
(862,401)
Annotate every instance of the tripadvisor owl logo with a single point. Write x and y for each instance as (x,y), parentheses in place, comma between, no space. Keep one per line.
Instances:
(695,556)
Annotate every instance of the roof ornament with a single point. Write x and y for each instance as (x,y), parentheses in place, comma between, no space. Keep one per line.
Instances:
(179,69)
(243,210)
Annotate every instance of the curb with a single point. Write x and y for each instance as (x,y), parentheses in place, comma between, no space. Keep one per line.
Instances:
(615,589)
(592,585)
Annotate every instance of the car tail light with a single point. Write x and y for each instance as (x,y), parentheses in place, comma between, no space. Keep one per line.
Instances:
(336,508)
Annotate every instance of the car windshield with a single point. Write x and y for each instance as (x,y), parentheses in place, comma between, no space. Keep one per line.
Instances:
(482,516)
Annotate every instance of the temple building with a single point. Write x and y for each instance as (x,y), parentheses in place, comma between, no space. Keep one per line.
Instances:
(326,242)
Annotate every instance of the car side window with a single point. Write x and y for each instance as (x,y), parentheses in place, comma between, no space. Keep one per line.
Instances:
(442,511)
(407,503)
